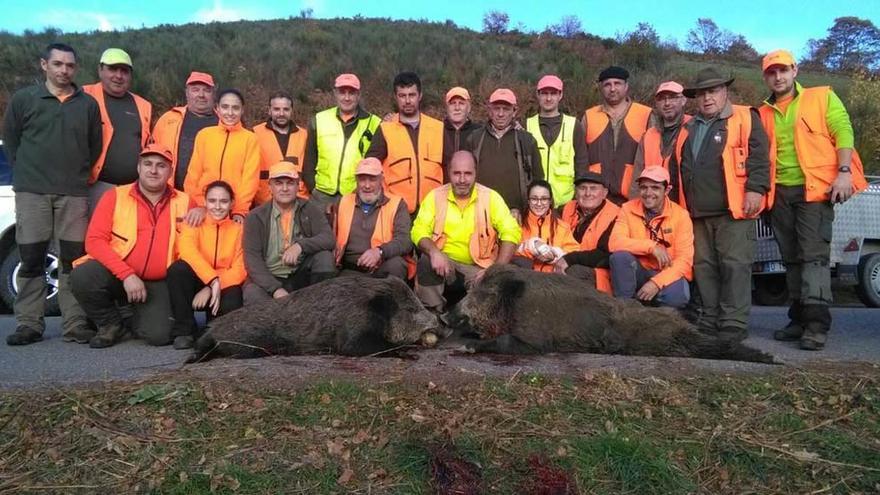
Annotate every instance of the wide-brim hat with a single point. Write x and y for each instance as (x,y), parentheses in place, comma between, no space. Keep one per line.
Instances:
(705,79)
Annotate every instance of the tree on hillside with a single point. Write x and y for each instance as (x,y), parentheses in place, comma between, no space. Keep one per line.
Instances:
(569,26)
(707,37)
(740,48)
(495,22)
(852,44)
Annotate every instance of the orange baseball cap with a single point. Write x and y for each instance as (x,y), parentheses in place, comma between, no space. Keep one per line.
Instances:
(503,95)
(669,87)
(369,166)
(459,92)
(550,81)
(347,81)
(655,173)
(777,57)
(200,77)
(157,149)
(283,169)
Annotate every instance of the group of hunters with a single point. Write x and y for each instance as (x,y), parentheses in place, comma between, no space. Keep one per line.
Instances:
(200,213)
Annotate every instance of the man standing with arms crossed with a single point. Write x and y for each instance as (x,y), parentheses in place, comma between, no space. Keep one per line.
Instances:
(53,138)
(559,137)
(813,165)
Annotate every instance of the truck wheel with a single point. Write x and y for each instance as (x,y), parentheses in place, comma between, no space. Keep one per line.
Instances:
(770,290)
(868,273)
(9,286)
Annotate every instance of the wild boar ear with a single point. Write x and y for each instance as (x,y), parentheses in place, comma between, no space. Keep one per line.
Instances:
(382,306)
(510,290)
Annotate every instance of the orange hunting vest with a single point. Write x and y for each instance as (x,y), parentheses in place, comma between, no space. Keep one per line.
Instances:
(652,152)
(594,231)
(408,173)
(270,154)
(483,244)
(816,152)
(145,113)
(615,163)
(382,233)
(733,159)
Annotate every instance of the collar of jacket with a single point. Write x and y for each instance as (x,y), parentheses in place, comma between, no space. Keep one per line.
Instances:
(45,93)
(231,128)
(360,114)
(656,120)
(771,100)
(209,220)
(465,126)
(293,126)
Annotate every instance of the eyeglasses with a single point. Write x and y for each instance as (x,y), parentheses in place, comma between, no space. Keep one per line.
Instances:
(539,200)
(664,99)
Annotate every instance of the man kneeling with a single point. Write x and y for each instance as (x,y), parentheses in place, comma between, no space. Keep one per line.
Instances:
(129,246)
(372,228)
(652,245)
(462,228)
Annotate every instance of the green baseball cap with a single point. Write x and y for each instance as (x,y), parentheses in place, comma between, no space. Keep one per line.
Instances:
(115,56)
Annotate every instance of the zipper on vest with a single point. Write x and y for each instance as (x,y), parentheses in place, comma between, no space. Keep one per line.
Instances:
(216,245)
(223,153)
(152,238)
(342,159)
(418,171)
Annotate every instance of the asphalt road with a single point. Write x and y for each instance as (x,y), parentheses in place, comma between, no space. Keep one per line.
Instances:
(52,362)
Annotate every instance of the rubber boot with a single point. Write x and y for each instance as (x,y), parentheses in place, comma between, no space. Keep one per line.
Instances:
(817,322)
(795,328)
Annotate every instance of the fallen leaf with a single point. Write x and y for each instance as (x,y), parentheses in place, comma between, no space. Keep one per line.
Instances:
(345,477)
(379,473)
(335,447)
(360,437)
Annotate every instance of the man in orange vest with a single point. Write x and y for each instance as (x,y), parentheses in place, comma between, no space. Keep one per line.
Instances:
(280,139)
(657,146)
(507,157)
(591,218)
(176,129)
(725,174)
(462,228)
(372,227)
(126,118)
(652,245)
(129,246)
(409,145)
(813,166)
(614,129)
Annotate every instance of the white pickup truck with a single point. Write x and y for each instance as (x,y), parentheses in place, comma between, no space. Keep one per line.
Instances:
(9,259)
(855,251)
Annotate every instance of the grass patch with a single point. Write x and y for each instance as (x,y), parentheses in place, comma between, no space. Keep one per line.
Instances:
(600,433)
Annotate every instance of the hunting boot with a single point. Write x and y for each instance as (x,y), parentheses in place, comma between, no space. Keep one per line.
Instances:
(733,334)
(795,328)
(107,336)
(817,323)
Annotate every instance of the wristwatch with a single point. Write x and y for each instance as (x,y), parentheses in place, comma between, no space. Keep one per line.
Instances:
(381,253)
(844,169)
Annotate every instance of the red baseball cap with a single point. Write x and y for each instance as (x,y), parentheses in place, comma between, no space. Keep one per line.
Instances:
(283,169)
(669,87)
(459,92)
(550,81)
(157,149)
(347,81)
(503,95)
(200,77)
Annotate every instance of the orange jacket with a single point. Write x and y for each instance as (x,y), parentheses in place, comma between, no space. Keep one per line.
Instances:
(674,226)
(128,235)
(383,232)
(652,154)
(167,133)
(816,151)
(410,173)
(225,153)
(560,237)
(213,250)
(590,240)
(615,161)
(270,154)
(733,160)
(145,113)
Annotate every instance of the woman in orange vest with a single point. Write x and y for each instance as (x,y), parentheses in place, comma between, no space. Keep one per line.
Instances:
(210,272)
(226,152)
(545,237)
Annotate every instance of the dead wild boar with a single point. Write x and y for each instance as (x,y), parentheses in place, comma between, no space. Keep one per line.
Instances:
(516,311)
(354,316)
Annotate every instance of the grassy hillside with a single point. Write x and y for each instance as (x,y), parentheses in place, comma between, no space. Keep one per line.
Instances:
(301,56)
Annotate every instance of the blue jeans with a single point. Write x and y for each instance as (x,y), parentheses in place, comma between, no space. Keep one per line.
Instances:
(628,276)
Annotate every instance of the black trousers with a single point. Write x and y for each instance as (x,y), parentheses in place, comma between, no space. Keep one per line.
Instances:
(183,285)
